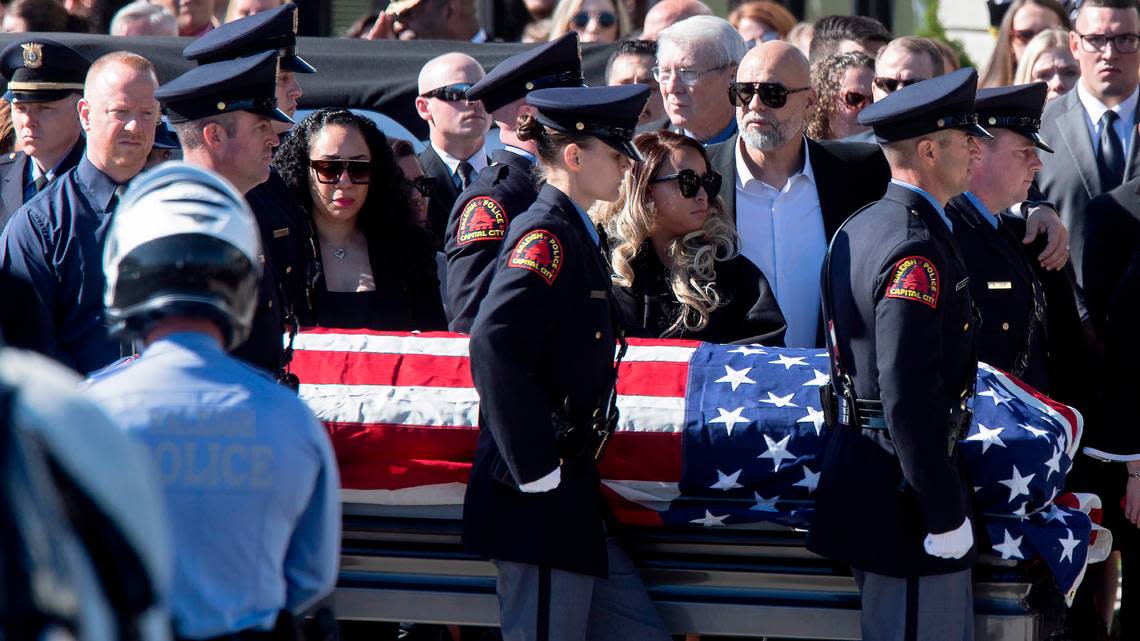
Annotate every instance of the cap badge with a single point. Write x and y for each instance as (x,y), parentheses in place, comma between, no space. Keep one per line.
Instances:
(530,86)
(580,126)
(33,55)
(992,120)
(941,123)
(221,106)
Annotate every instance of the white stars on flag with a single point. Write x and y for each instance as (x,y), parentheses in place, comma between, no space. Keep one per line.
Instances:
(726,481)
(779,401)
(987,437)
(1068,544)
(819,379)
(815,417)
(810,480)
(1010,548)
(736,377)
(1017,484)
(748,350)
(777,451)
(788,361)
(997,397)
(730,419)
(709,520)
(763,504)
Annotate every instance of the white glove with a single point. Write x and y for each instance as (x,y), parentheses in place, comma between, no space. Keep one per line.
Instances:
(544,484)
(951,545)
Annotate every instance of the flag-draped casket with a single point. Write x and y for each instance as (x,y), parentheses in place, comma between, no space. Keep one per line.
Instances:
(709,436)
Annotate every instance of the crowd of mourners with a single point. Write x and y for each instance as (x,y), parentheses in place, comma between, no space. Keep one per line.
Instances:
(749,152)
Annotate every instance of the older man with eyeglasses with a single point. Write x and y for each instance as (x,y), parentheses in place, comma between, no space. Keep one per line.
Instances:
(696,61)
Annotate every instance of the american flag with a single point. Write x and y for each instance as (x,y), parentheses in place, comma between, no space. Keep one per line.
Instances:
(709,436)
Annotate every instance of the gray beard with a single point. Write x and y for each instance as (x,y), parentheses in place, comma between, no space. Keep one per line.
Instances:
(764,141)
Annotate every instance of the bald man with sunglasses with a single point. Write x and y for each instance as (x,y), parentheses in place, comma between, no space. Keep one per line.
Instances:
(786,192)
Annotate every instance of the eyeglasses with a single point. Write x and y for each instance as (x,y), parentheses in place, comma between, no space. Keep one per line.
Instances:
(772,94)
(688,76)
(605,19)
(891,85)
(688,182)
(425,185)
(856,100)
(329,171)
(451,93)
(1121,42)
(1023,35)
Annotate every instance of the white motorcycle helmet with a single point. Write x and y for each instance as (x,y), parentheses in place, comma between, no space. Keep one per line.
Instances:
(183,242)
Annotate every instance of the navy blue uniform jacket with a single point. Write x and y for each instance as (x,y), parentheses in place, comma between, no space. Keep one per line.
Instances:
(502,191)
(55,243)
(543,340)
(14,173)
(903,314)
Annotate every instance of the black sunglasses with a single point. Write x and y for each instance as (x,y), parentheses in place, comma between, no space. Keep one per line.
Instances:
(425,185)
(451,93)
(855,99)
(771,94)
(329,171)
(688,182)
(606,19)
(890,85)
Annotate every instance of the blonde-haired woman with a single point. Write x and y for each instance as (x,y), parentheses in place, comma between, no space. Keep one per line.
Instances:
(594,20)
(1047,59)
(676,257)
(1023,20)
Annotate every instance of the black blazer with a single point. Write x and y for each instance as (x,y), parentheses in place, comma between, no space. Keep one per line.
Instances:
(904,324)
(12,170)
(442,197)
(1112,292)
(848,175)
(748,314)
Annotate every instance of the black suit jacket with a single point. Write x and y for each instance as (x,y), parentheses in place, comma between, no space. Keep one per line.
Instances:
(443,197)
(1112,292)
(13,168)
(848,175)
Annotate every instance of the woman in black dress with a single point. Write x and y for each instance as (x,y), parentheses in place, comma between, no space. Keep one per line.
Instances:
(377,265)
(678,272)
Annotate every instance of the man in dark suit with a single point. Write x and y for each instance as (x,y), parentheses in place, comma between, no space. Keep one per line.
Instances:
(45,80)
(1093,128)
(785,190)
(457,128)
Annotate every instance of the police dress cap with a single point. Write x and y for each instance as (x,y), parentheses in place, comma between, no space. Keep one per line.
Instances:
(273,29)
(557,63)
(164,137)
(42,70)
(1017,108)
(938,104)
(607,113)
(246,84)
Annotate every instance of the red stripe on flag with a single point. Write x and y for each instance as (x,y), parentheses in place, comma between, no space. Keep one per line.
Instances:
(392,457)
(643,456)
(630,513)
(368,368)
(651,378)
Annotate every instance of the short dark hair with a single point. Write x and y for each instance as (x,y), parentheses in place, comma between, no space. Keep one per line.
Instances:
(832,30)
(1109,4)
(631,48)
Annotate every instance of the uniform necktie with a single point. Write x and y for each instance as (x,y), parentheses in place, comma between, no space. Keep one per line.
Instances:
(116,197)
(464,171)
(1111,153)
(39,183)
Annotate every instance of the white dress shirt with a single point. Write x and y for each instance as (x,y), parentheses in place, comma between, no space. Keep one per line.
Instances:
(1094,110)
(781,232)
(478,162)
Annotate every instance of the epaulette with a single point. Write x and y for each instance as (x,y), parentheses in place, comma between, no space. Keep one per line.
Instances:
(9,158)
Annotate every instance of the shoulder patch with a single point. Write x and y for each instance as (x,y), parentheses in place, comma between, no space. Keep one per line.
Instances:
(539,251)
(481,219)
(915,278)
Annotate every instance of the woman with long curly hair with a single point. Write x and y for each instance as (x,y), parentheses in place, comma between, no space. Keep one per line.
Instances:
(377,265)
(678,272)
(842,81)
(1023,20)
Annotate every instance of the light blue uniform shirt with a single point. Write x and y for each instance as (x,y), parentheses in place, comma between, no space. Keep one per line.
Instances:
(982,209)
(930,199)
(590,228)
(249,477)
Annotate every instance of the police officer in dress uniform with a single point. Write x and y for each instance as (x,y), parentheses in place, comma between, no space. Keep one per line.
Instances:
(248,472)
(542,359)
(45,80)
(893,500)
(479,220)
(1040,344)
(286,232)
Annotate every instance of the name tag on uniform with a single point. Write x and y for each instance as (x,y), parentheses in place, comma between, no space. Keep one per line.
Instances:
(962,283)
(281,233)
(999,284)
(600,294)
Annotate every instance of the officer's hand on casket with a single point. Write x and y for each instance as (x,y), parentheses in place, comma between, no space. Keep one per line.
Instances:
(951,545)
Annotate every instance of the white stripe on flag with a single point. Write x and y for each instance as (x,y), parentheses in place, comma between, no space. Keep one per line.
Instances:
(441,494)
(407,344)
(430,406)
(658,353)
(651,413)
(655,495)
